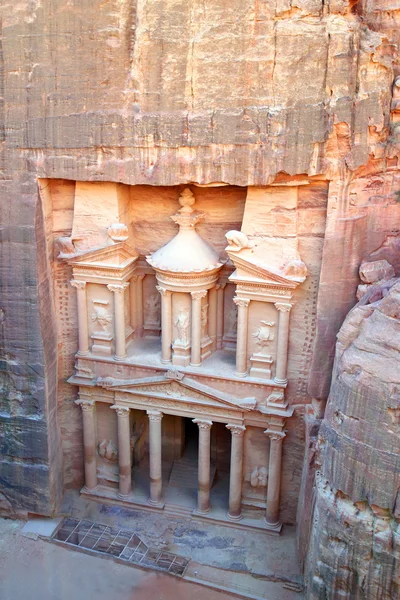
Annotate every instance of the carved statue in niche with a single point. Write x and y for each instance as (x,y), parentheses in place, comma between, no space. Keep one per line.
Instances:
(237,240)
(204,318)
(182,324)
(259,477)
(106,449)
(101,316)
(264,335)
(152,310)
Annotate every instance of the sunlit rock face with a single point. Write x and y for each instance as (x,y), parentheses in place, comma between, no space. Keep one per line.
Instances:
(283,119)
(355,551)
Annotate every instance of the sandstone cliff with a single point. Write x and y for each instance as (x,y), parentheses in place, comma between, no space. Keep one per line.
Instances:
(355,541)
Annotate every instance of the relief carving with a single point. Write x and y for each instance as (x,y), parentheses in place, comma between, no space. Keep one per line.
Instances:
(118,232)
(182,323)
(264,335)
(259,477)
(106,449)
(237,240)
(204,320)
(152,310)
(232,321)
(101,315)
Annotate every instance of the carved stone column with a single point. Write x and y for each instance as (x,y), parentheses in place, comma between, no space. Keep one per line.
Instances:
(204,457)
(119,318)
(124,451)
(155,456)
(220,314)
(236,472)
(274,478)
(139,305)
(89,442)
(195,358)
(283,340)
(132,302)
(83,326)
(212,316)
(166,325)
(241,344)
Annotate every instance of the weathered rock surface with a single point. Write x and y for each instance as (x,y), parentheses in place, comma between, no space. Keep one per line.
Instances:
(246,93)
(355,539)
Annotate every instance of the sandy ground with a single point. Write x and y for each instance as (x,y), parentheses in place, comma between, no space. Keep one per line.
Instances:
(39,570)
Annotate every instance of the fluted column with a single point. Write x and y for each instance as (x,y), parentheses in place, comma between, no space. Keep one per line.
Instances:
(283,340)
(124,451)
(155,456)
(236,472)
(204,458)
(83,326)
(212,316)
(274,477)
(220,314)
(195,356)
(139,304)
(241,343)
(89,442)
(166,325)
(119,318)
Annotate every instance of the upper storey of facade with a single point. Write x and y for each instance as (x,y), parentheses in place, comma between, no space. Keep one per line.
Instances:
(183,306)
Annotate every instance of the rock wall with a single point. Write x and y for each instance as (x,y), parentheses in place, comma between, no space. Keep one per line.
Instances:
(244,92)
(354,551)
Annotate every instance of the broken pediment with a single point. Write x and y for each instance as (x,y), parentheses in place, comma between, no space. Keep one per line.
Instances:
(182,388)
(114,263)
(116,256)
(264,261)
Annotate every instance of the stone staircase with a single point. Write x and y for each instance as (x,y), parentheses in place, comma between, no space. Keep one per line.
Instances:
(178,510)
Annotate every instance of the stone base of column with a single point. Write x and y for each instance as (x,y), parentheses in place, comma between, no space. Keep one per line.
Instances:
(201,513)
(277,526)
(79,353)
(280,381)
(234,517)
(119,358)
(86,490)
(166,362)
(156,504)
(123,496)
(244,374)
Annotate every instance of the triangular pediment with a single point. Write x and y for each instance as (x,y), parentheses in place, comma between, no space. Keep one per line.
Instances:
(114,256)
(179,388)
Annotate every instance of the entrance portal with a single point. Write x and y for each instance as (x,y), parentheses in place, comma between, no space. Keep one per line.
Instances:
(183,481)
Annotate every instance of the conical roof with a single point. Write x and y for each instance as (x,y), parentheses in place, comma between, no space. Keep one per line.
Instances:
(187,252)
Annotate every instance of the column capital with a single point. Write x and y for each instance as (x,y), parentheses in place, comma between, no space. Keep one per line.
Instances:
(85,404)
(122,411)
(202,424)
(241,301)
(140,276)
(220,286)
(276,436)
(236,429)
(79,285)
(118,288)
(163,291)
(154,415)
(199,295)
(283,306)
